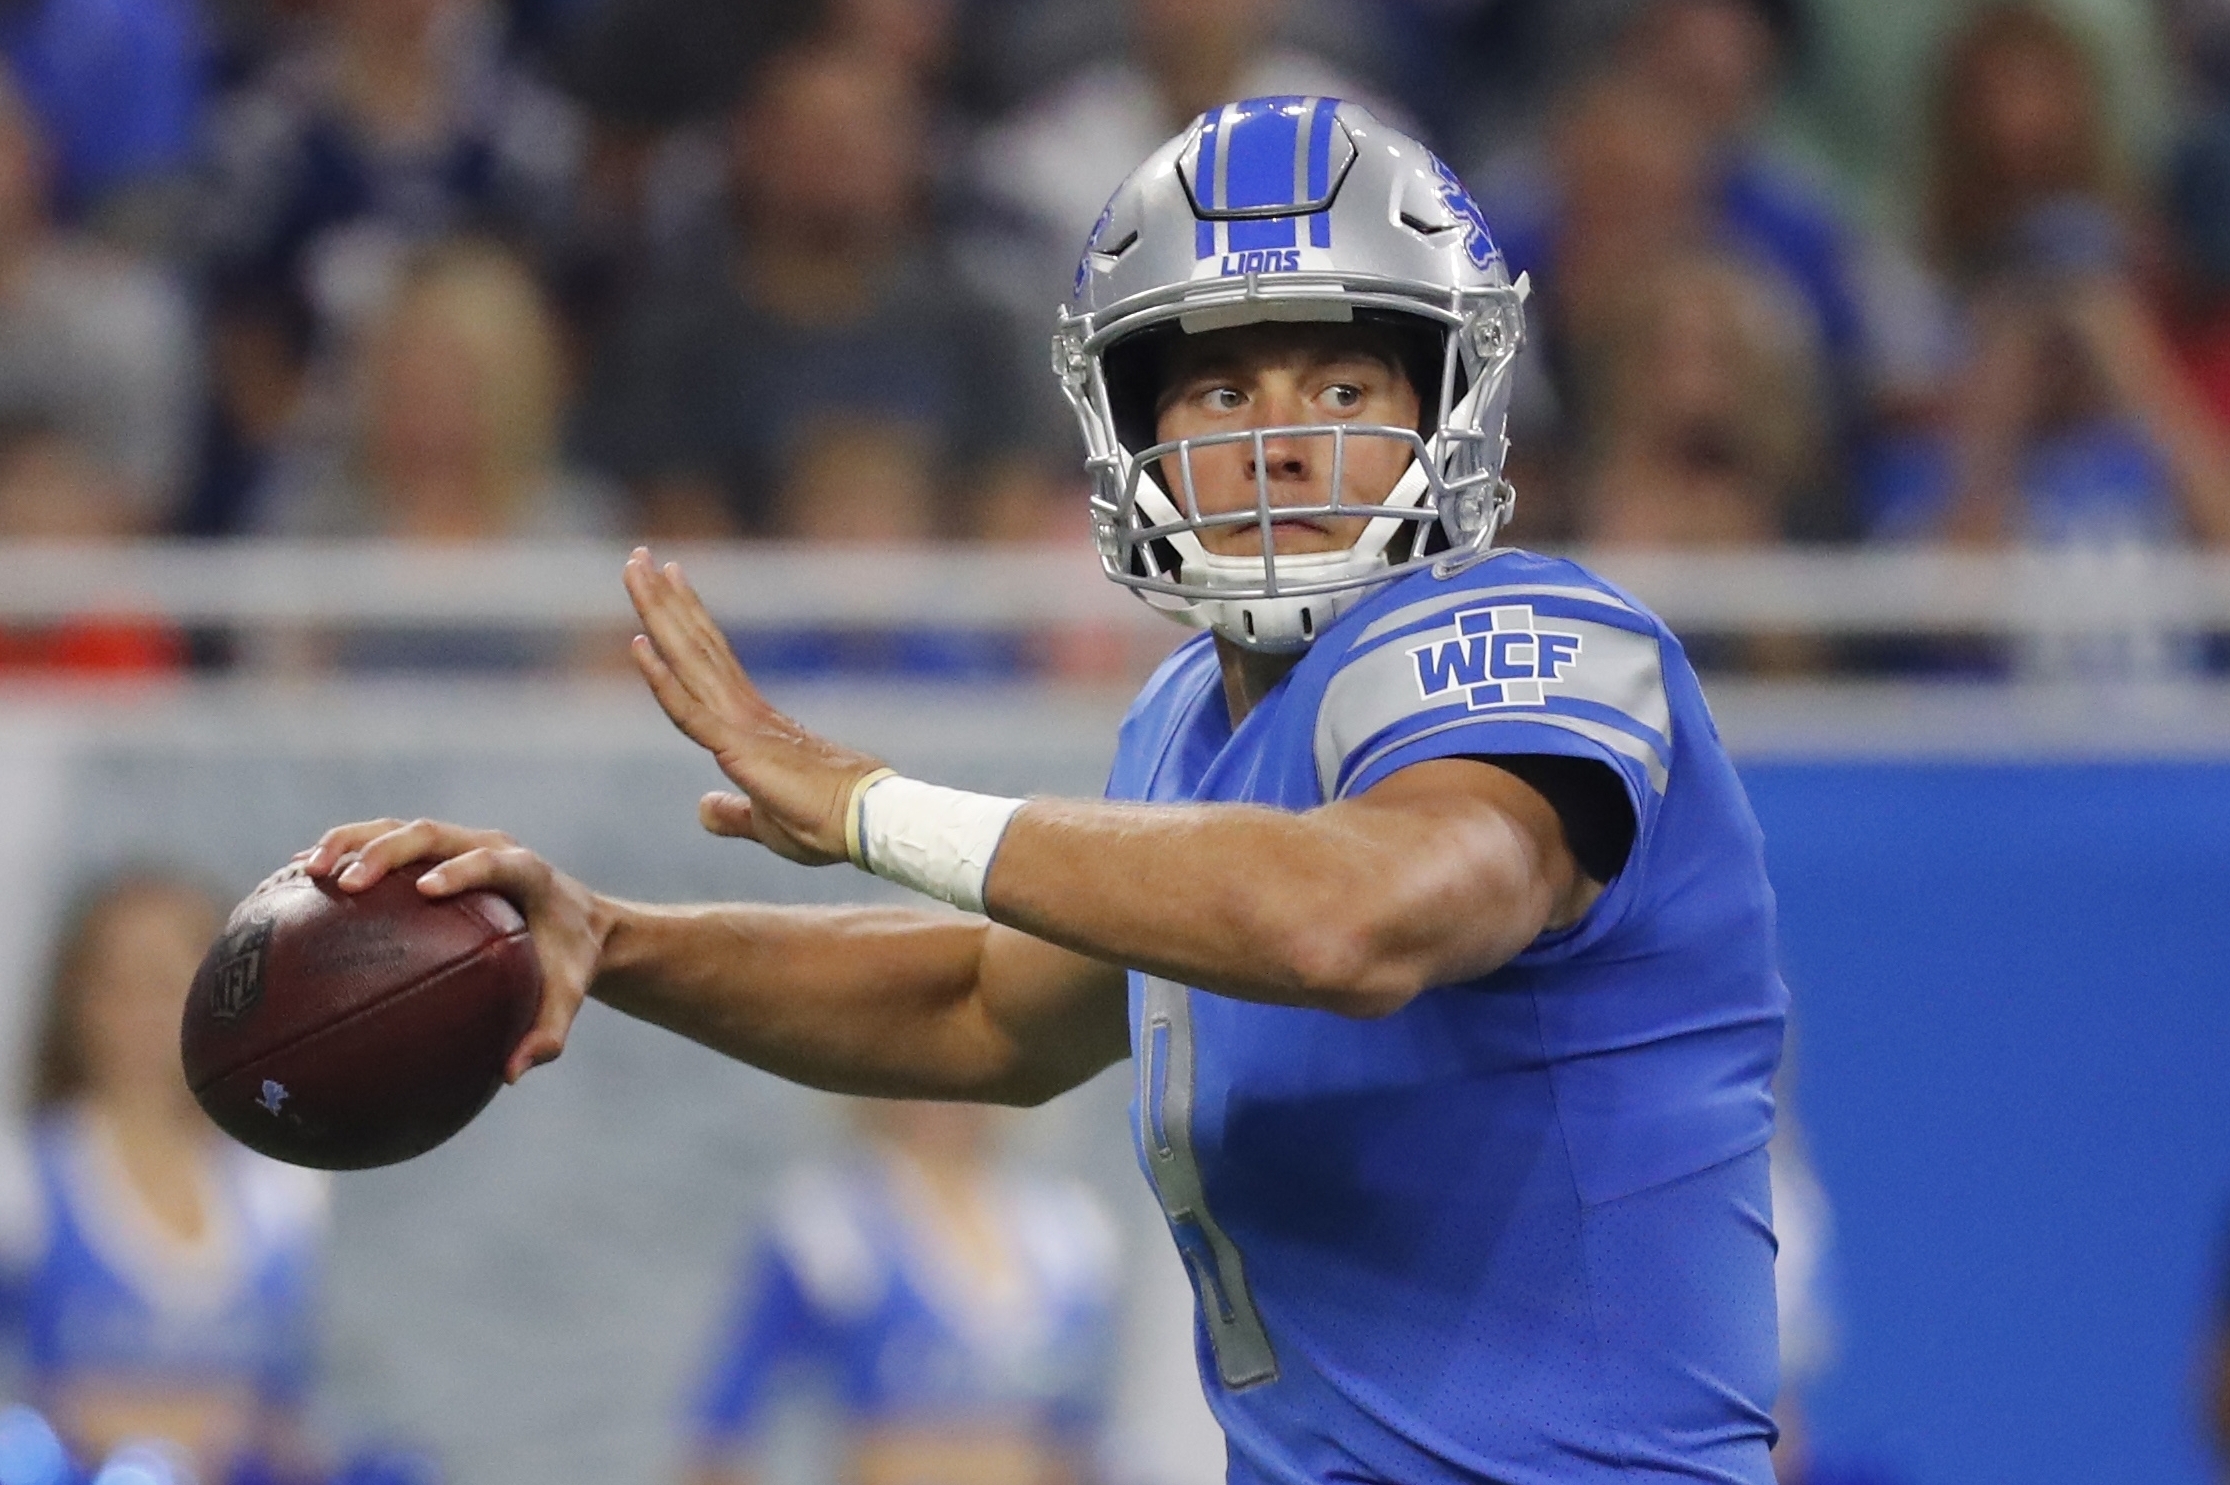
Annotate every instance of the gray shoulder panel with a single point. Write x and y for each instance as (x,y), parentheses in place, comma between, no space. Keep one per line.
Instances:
(1498,661)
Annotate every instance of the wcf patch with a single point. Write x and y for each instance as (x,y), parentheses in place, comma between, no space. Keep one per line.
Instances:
(1499,658)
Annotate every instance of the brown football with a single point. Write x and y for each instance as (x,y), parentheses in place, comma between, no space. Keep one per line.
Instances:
(347,1030)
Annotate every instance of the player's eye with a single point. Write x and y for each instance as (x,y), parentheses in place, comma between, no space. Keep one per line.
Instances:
(1223,399)
(1343,396)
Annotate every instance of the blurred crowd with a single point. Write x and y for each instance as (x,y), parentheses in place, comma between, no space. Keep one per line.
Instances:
(440,270)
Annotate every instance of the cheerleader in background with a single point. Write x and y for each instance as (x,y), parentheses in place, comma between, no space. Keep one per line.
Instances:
(160,1280)
(960,1313)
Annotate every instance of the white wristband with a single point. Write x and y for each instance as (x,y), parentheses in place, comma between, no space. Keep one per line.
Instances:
(937,841)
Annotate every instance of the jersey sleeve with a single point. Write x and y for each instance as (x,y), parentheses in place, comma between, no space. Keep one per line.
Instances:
(1531,668)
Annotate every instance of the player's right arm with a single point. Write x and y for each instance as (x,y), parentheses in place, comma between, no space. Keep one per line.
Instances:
(891,1002)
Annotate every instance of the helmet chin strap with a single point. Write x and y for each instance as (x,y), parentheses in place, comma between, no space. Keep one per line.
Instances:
(1288,623)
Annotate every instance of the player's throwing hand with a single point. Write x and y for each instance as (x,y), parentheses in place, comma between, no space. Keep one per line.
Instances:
(796,786)
(569,922)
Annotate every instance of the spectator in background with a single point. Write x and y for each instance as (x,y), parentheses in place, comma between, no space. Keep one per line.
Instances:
(244,36)
(161,1280)
(116,86)
(391,124)
(1043,175)
(1713,69)
(959,1312)
(1677,119)
(450,433)
(655,81)
(914,38)
(97,380)
(96,349)
(1711,424)
(1724,61)
(814,369)
(2197,202)
(451,428)
(1630,170)
(1708,427)
(2072,422)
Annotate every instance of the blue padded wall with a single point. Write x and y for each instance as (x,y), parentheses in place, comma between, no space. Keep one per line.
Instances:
(2013,1066)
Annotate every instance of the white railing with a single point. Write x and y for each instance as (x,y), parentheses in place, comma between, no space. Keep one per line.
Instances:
(1911,590)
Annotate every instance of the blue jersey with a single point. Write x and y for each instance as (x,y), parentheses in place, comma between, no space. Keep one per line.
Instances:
(853,1280)
(1518,1231)
(102,1293)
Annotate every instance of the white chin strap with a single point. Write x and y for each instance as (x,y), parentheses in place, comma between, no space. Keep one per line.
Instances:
(1289,622)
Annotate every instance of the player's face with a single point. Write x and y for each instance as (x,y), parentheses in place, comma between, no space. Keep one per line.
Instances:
(1270,376)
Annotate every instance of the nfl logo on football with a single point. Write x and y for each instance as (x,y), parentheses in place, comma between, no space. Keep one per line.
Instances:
(238,983)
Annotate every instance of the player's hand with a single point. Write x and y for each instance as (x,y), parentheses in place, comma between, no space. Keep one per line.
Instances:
(796,785)
(569,922)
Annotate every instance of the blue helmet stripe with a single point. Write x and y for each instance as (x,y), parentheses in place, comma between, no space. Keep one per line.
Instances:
(1261,232)
(1261,155)
(1264,140)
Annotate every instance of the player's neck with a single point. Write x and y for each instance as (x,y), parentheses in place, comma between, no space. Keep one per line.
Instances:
(1248,676)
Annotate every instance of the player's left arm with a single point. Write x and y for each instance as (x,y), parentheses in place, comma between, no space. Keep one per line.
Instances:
(1437,874)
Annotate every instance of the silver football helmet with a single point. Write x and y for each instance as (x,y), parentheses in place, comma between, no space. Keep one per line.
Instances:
(1290,209)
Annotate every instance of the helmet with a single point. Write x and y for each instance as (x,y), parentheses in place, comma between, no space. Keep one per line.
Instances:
(1290,208)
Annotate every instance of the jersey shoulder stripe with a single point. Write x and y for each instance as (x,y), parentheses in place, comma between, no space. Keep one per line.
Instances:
(1492,653)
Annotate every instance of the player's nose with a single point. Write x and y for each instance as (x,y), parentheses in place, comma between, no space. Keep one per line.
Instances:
(1288,456)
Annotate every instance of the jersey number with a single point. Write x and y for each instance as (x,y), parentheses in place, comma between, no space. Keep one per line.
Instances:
(1219,1276)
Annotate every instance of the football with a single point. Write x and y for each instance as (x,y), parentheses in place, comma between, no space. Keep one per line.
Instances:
(349,1030)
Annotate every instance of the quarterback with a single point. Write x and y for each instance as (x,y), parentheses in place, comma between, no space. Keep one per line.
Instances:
(1424,901)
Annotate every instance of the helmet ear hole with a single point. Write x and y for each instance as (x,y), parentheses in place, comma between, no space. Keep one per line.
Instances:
(1132,368)
(1419,350)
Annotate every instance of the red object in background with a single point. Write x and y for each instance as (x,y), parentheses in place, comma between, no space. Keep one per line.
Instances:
(2198,331)
(94,646)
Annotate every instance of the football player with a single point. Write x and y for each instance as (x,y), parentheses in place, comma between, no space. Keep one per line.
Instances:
(1424,901)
